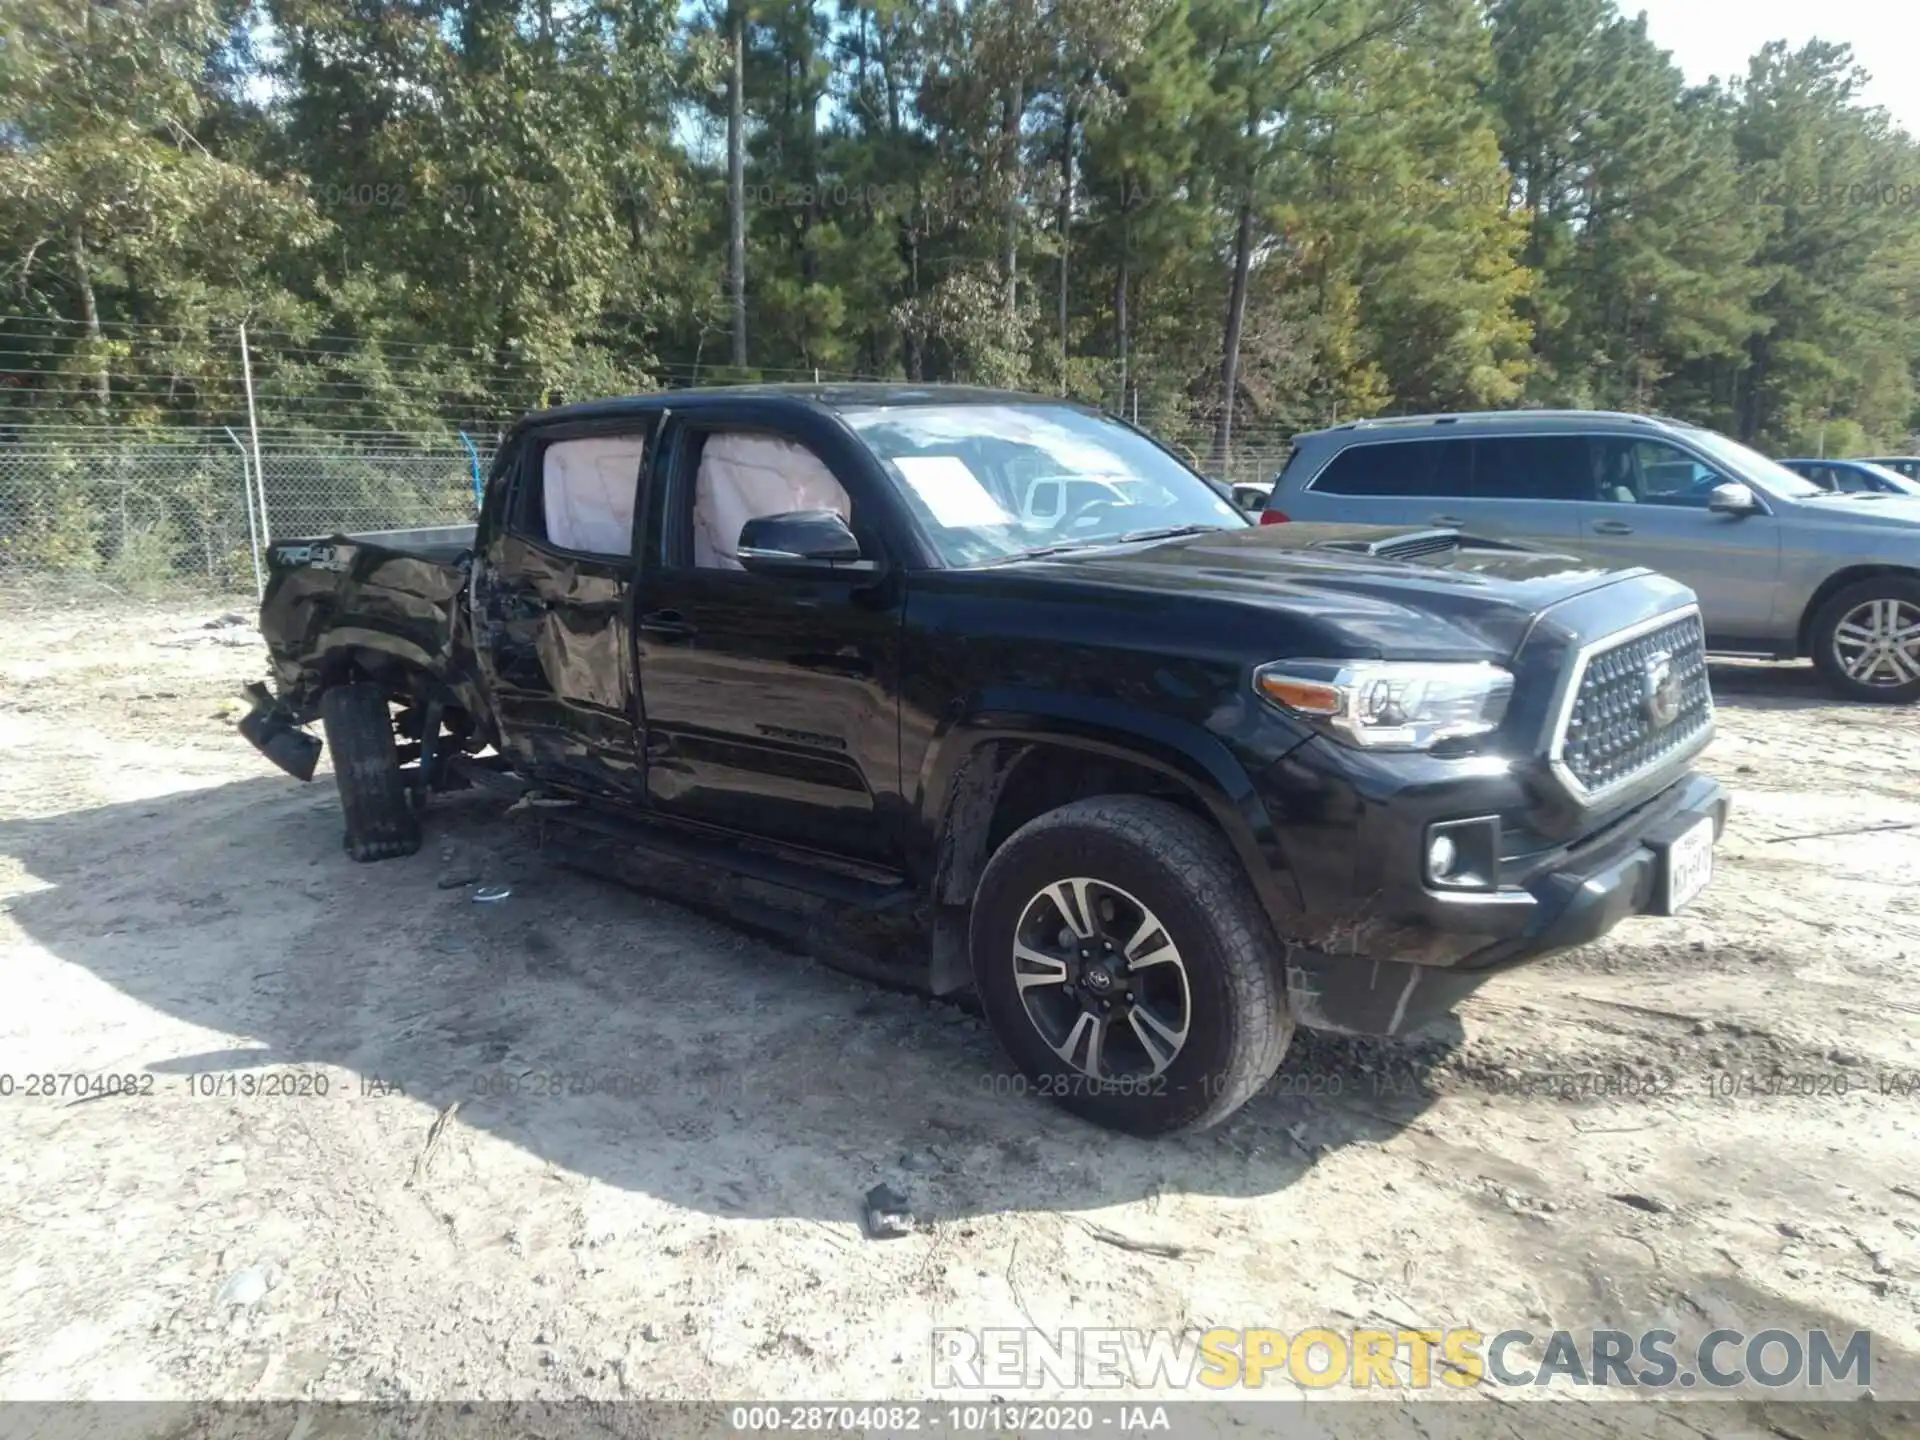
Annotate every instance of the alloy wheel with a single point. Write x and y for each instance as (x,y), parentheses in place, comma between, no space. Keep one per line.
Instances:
(1878,643)
(1102,980)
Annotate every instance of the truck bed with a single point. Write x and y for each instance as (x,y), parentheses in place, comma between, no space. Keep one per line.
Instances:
(377,602)
(440,544)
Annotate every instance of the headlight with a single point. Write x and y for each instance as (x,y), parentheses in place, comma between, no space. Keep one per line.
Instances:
(1390,704)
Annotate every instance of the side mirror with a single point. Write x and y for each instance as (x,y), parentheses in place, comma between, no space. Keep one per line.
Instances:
(1732,499)
(799,542)
(1251,498)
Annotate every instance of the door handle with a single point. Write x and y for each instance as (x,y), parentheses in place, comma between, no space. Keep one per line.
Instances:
(668,625)
(1453,522)
(1612,527)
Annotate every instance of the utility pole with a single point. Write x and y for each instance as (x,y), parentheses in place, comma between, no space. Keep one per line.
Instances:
(737,179)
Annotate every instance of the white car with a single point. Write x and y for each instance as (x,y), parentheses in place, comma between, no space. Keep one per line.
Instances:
(1055,502)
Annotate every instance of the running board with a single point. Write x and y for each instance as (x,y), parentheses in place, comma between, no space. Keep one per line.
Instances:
(487,772)
(672,843)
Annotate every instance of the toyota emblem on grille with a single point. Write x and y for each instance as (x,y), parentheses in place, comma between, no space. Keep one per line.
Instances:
(1660,690)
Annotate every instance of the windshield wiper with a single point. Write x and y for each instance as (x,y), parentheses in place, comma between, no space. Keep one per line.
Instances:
(1164,532)
(1043,551)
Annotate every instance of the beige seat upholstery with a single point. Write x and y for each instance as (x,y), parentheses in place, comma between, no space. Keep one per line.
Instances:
(588,487)
(744,476)
(1616,478)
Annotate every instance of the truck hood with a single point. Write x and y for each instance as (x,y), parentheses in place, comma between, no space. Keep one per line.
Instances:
(1370,589)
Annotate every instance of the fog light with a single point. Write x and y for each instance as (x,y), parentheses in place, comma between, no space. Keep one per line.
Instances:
(1464,854)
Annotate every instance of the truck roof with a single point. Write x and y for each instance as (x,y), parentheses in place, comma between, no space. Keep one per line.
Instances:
(834,395)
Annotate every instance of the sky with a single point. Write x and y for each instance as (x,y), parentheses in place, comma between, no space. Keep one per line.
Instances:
(1714,37)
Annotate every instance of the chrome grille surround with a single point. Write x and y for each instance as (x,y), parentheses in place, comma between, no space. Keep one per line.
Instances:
(1606,735)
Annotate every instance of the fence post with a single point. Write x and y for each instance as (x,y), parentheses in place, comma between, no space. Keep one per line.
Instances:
(253,531)
(253,429)
(479,485)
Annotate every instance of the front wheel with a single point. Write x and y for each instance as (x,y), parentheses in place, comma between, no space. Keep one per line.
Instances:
(1866,641)
(1124,963)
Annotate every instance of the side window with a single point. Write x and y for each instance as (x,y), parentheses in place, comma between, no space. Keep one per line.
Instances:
(1652,472)
(742,475)
(1424,468)
(1850,481)
(1043,501)
(1820,475)
(586,494)
(1532,467)
(1085,492)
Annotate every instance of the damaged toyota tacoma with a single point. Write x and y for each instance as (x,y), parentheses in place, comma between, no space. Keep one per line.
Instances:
(976,691)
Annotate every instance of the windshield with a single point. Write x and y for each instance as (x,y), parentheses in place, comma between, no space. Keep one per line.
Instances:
(989,482)
(1752,466)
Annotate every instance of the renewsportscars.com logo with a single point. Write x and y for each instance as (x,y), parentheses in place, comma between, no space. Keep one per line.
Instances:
(1015,1359)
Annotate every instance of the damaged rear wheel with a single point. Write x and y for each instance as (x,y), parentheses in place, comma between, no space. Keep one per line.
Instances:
(381,824)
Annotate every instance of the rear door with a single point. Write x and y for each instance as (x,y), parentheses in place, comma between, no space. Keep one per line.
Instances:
(552,599)
(1408,482)
(1518,487)
(1652,510)
(1528,488)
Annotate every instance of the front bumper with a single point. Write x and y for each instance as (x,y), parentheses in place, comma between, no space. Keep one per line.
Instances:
(1549,902)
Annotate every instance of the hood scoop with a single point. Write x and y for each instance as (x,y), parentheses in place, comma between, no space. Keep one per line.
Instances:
(1415,545)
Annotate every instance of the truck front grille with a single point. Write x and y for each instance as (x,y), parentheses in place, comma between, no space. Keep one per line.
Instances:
(1640,701)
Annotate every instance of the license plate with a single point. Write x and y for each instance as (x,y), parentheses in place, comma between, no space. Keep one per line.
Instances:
(1689,866)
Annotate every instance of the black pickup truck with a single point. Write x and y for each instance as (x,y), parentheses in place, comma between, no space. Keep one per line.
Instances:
(981,691)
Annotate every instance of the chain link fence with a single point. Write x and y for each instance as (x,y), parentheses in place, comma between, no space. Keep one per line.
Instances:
(317,492)
(150,514)
(140,517)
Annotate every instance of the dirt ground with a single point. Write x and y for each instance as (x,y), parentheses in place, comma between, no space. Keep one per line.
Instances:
(174,910)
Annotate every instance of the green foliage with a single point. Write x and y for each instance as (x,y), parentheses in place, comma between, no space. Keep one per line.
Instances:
(1838,261)
(48,521)
(964,324)
(146,560)
(1233,218)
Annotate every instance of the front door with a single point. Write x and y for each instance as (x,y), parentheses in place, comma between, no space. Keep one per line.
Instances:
(1652,511)
(552,596)
(771,701)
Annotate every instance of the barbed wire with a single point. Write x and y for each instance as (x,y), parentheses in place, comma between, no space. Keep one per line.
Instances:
(177,400)
(263,341)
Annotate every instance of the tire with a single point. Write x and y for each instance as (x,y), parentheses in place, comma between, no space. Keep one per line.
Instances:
(1898,600)
(1147,860)
(381,824)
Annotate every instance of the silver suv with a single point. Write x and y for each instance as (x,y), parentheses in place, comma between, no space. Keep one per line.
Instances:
(1782,567)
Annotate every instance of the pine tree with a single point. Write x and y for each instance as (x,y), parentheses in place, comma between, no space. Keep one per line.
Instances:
(1839,259)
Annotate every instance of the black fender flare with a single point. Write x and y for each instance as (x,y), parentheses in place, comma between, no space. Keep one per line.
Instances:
(954,789)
